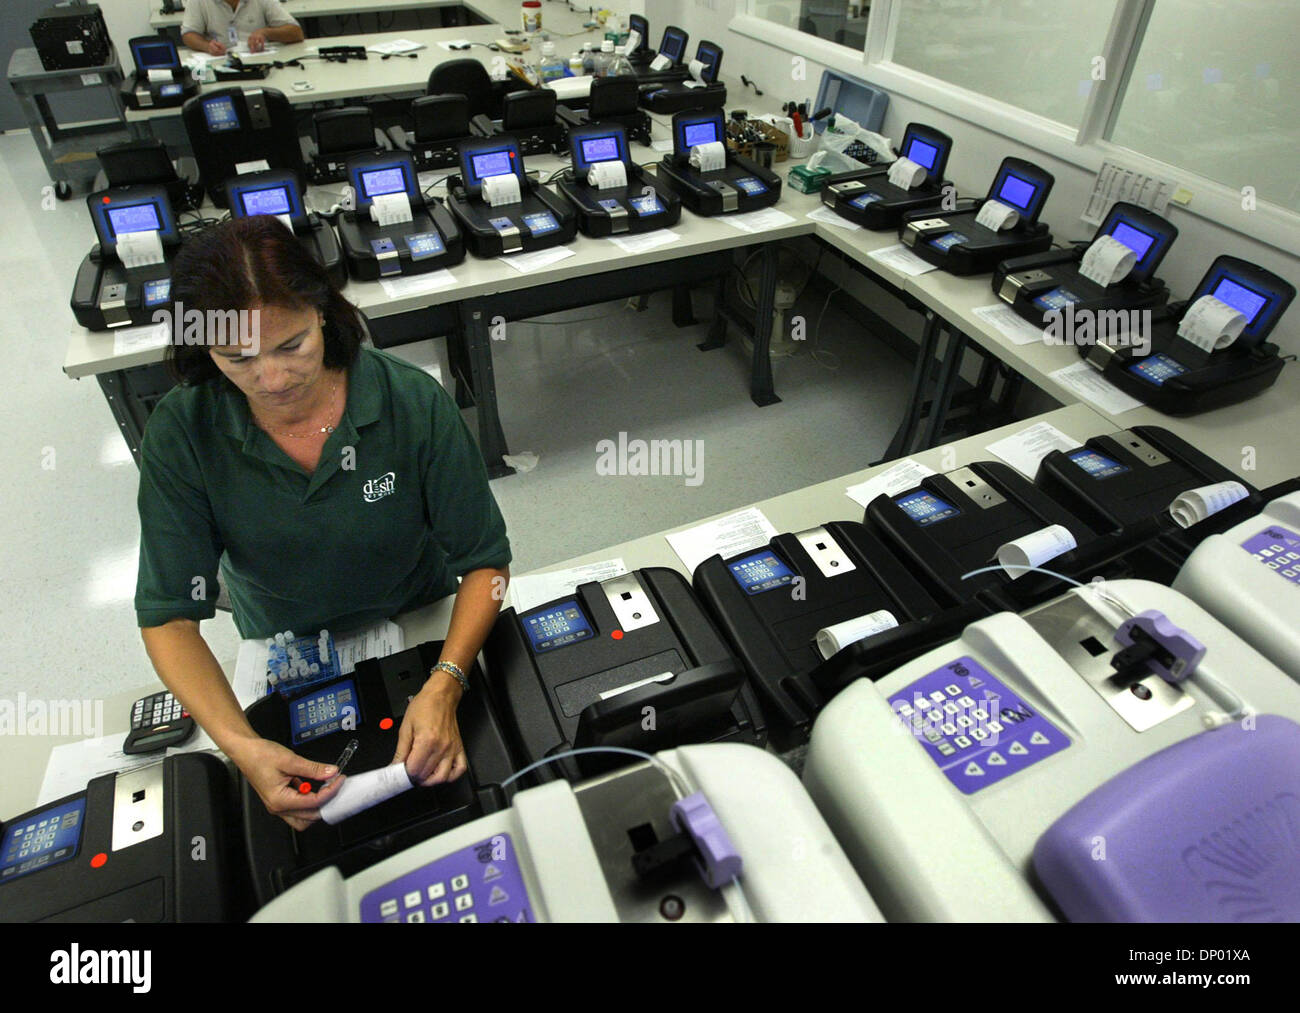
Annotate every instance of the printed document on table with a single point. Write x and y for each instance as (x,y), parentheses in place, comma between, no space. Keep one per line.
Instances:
(727,536)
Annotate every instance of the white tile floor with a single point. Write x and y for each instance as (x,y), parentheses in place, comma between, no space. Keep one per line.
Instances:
(68,557)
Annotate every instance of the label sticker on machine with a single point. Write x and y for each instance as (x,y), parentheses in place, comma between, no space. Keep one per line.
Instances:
(481,883)
(862,200)
(751,185)
(1278,548)
(1095,464)
(324,712)
(557,626)
(612,206)
(541,222)
(424,245)
(157,292)
(1056,299)
(760,572)
(647,205)
(973,727)
(40,841)
(948,240)
(926,508)
(1157,368)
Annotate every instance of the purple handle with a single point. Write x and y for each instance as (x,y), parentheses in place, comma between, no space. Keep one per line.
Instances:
(718,862)
(1186,650)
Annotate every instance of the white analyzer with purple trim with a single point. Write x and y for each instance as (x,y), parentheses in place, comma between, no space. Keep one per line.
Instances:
(644,843)
(1085,760)
(1249,577)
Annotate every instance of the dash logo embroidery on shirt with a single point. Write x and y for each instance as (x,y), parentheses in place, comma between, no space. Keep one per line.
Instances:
(378,488)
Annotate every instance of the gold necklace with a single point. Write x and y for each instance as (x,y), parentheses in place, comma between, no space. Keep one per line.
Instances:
(304,436)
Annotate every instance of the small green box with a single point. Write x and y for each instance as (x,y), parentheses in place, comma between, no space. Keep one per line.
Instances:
(807,180)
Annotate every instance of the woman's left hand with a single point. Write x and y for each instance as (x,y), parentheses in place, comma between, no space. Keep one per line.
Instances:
(429,739)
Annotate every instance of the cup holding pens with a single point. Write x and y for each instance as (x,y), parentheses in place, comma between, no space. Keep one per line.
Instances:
(804,145)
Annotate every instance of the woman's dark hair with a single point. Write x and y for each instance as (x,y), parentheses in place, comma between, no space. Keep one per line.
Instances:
(249,262)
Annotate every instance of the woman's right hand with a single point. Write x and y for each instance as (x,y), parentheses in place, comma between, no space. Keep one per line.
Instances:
(271,770)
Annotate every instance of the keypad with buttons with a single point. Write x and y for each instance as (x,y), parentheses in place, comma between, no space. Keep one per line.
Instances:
(479,883)
(37,842)
(1278,548)
(153,711)
(991,735)
(324,712)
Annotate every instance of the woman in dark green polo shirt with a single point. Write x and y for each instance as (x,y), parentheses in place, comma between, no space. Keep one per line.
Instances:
(340,483)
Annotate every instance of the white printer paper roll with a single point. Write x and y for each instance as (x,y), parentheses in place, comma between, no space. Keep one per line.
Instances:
(660,62)
(607,175)
(834,639)
(1107,261)
(1035,549)
(137,249)
(905,174)
(391,209)
(997,216)
(361,791)
(1211,324)
(696,67)
(709,157)
(157,76)
(633,41)
(502,189)
(1197,504)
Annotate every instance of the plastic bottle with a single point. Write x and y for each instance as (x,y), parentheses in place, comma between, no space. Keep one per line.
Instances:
(619,64)
(600,66)
(551,66)
(575,64)
(588,59)
(531,14)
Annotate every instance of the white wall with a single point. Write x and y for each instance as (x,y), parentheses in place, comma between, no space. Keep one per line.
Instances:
(126,19)
(976,152)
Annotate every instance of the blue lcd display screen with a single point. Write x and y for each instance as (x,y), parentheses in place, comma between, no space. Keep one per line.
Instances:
(220,114)
(155,55)
(671,46)
(1157,368)
(1239,297)
(926,508)
(157,292)
(170,90)
(134,218)
(1097,465)
(760,572)
(600,149)
(862,200)
(1135,239)
(493,163)
(1017,192)
(646,205)
(557,626)
(324,712)
(425,244)
(541,222)
(271,201)
(47,838)
(922,154)
(694,134)
(383,181)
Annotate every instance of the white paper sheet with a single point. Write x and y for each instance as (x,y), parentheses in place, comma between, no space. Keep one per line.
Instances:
(902,476)
(1116,183)
(757,221)
(645,241)
(902,260)
(361,791)
(1094,388)
(1026,449)
(1010,324)
(828,217)
(396,46)
(72,764)
(526,262)
(396,288)
(664,145)
(535,589)
(138,339)
(727,536)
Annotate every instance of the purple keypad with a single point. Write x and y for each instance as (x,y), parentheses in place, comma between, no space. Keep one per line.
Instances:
(973,727)
(481,883)
(1278,548)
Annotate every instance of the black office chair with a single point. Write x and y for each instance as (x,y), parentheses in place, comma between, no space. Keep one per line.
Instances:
(470,78)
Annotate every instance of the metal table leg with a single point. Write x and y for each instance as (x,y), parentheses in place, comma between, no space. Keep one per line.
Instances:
(761,390)
(478,353)
(902,441)
(948,373)
(718,328)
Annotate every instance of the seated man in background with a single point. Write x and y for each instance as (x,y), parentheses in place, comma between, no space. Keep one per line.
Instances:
(208,23)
